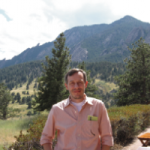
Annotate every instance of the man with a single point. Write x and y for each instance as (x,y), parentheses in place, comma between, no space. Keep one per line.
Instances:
(82,122)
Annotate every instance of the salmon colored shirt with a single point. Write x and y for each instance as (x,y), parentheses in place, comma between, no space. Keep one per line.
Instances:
(75,131)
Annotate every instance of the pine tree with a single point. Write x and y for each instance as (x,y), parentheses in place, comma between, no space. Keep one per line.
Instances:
(5,98)
(51,84)
(27,87)
(18,97)
(134,84)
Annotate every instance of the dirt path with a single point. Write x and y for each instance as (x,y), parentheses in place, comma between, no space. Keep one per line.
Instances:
(136,143)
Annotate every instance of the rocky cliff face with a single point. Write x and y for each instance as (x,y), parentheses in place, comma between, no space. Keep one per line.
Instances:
(92,43)
(2,63)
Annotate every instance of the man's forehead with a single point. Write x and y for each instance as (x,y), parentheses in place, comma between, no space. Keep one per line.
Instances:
(78,75)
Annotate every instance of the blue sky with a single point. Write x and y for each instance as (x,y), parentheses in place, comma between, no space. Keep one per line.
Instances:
(25,23)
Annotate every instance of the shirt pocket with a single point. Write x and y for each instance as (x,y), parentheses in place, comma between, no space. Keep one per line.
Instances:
(90,128)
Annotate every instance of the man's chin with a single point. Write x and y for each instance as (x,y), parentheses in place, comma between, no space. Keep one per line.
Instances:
(77,97)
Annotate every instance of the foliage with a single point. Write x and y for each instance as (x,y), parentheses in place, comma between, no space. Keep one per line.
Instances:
(20,74)
(11,127)
(103,70)
(128,121)
(5,98)
(32,138)
(134,84)
(51,89)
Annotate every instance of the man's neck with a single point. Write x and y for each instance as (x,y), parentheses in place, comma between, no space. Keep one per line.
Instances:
(77,100)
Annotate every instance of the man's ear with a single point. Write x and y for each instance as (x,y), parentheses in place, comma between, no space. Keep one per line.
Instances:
(86,83)
(66,86)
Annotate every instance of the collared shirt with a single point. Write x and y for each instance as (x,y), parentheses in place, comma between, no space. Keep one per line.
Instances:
(75,131)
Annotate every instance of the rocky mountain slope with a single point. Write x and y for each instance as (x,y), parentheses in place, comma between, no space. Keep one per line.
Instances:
(104,42)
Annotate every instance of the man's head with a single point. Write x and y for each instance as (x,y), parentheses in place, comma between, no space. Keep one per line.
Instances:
(76,82)
(73,71)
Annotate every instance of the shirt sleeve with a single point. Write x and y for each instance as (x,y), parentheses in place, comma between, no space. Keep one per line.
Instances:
(105,127)
(49,129)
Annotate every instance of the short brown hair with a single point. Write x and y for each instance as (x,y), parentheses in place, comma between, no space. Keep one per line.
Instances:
(73,71)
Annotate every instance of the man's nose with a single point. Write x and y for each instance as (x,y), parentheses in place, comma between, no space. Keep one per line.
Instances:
(76,85)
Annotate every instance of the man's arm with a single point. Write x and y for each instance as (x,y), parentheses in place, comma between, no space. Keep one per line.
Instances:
(105,147)
(48,132)
(105,129)
(47,146)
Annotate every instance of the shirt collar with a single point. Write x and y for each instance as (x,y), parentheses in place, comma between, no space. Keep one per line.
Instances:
(87,100)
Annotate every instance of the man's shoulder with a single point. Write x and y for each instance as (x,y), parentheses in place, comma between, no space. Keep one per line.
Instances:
(94,101)
(61,104)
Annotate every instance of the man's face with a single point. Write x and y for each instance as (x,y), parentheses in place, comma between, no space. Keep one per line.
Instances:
(76,86)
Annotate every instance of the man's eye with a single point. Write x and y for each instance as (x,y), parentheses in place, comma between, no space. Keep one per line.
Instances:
(80,82)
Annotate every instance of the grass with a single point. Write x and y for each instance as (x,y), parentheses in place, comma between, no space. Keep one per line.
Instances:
(23,88)
(22,109)
(127,111)
(12,127)
(105,86)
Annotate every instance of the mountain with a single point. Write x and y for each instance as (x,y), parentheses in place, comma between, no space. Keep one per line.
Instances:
(104,42)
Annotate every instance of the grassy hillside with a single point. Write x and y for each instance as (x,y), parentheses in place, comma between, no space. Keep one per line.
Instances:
(106,87)
(10,128)
(20,121)
(31,89)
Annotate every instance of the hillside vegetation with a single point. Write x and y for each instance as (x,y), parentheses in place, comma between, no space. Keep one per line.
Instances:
(15,76)
(24,78)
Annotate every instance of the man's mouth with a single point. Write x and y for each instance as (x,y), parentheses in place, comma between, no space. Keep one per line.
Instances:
(77,91)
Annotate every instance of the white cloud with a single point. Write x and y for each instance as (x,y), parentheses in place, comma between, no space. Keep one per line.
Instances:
(28,27)
(135,8)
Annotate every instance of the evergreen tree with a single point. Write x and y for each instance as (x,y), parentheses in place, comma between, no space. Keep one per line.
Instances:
(13,93)
(51,84)
(5,98)
(35,85)
(28,99)
(134,84)
(20,85)
(24,92)
(29,105)
(27,87)
(18,97)
(23,100)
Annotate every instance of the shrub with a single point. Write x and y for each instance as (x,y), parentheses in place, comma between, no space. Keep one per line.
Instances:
(32,138)
(29,113)
(128,121)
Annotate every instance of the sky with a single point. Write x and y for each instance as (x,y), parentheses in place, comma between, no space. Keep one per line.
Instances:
(25,23)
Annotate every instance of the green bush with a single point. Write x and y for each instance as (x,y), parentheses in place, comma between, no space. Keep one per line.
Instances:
(32,138)
(128,121)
